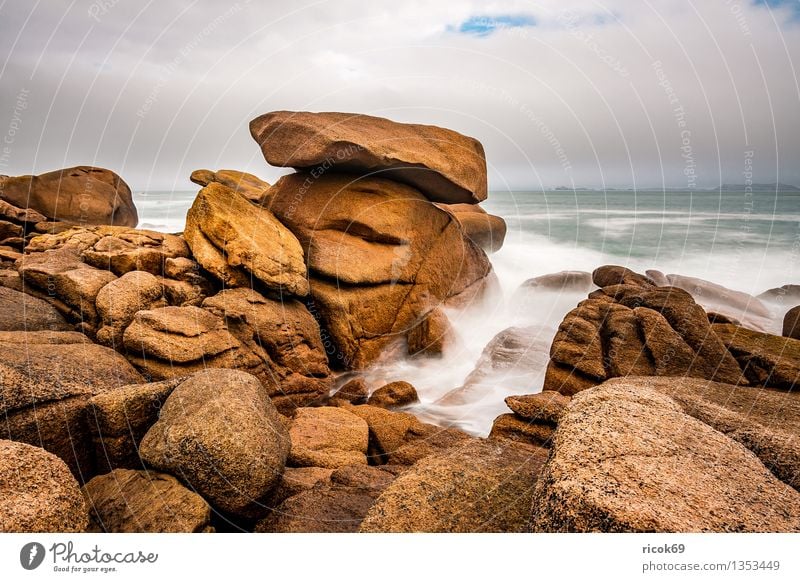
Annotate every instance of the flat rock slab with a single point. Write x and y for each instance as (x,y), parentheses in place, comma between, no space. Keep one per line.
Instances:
(443,164)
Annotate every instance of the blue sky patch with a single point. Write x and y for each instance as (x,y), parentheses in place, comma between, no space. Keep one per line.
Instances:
(486,25)
(794,5)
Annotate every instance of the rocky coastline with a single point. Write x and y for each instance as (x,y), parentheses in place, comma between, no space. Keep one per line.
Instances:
(212,380)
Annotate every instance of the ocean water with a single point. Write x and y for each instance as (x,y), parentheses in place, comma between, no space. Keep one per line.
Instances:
(745,242)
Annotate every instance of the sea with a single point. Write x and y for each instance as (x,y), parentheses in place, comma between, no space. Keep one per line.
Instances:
(744,241)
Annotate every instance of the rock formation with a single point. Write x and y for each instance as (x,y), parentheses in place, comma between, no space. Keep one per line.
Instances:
(82,195)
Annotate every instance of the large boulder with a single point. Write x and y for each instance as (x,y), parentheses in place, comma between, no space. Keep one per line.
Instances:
(126,501)
(380,257)
(484,486)
(735,305)
(791,323)
(251,187)
(670,472)
(81,195)
(446,166)
(485,230)
(563,281)
(765,420)
(222,436)
(20,312)
(248,239)
(327,437)
(767,360)
(631,327)
(37,492)
(45,389)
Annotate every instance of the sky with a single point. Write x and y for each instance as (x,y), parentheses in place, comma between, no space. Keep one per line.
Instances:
(613,94)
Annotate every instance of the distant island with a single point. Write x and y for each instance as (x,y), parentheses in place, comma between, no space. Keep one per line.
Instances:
(771,187)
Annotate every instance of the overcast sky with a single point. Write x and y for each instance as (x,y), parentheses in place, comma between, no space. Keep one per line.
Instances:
(616,93)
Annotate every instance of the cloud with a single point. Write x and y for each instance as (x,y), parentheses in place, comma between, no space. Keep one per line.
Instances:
(156,90)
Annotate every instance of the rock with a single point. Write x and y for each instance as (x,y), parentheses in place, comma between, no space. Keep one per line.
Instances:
(276,341)
(178,335)
(432,335)
(296,480)
(327,437)
(732,304)
(516,355)
(220,434)
(44,393)
(609,275)
(251,187)
(764,420)
(375,274)
(337,506)
(118,302)
(20,312)
(116,249)
(399,438)
(38,494)
(354,391)
(214,261)
(445,165)
(791,323)
(670,472)
(363,477)
(121,418)
(43,337)
(714,317)
(566,380)
(767,360)
(8,256)
(125,501)
(514,428)
(249,238)
(783,295)
(657,277)
(394,395)
(547,406)
(484,486)
(67,282)
(484,229)
(578,281)
(284,335)
(626,329)
(19,214)
(82,195)
(578,342)
(9,230)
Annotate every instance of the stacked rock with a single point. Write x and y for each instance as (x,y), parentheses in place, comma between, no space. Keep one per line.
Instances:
(368,232)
